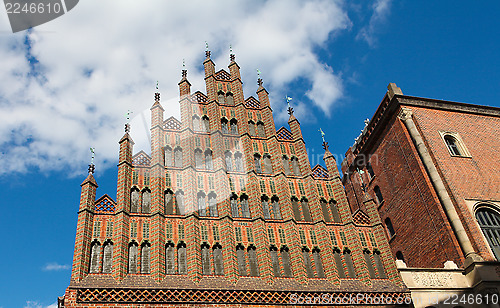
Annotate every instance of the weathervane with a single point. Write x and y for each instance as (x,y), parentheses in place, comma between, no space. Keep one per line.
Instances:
(290,109)
(231,54)
(92,166)
(259,80)
(322,134)
(184,70)
(127,125)
(157,85)
(207,52)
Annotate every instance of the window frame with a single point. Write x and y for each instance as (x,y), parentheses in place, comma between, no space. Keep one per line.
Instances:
(459,143)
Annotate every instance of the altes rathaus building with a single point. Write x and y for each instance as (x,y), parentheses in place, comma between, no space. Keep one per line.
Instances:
(227,212)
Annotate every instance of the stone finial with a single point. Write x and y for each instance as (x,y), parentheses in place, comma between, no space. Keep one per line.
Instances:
(290,109)
(92,166)
(184,73)
(259,82)
(232,57)
(207,52)
(393,89)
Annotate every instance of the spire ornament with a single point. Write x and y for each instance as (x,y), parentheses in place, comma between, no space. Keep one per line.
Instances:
(207,52)
(92,166)
(157,94)
(259,80)
(184,70)
(325,144)
(231,54)
(290,109)
(127,115)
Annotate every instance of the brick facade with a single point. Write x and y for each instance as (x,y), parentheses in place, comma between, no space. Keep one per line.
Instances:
(246,198)
(423,230)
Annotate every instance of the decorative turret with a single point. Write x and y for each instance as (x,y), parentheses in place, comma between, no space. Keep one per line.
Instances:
(293,122)
(330,161)
(184,84)
(208,63)
(262,94)
(234,68)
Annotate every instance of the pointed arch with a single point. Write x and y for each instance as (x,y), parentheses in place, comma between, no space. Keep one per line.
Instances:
(245,209)
(209,159)
(335,211)
(205,123)
(307,262)
(305,209)
(170,258)
(95,253)
(196,123)
(295,208)
(324,210)
(265,207)
(251,128)
(146,201)
(337,257)
(229,99)
(276,207)
(268,167)
(233,201)
(286,164)
(224,126)
(218,260)
(241,259)
(258,167)
(178,157)
(205,259)
(179,198)
(252,258)
(238,162)
(212,204)
(107,259)
(168,156)
(275,261)
(295,165)
(261,132)
(198,159)
(202,206)
(318,263)
(169,202)
(351,272)
(285,259)
(221,97)
(369,264)
(182,258)
(233,124)
(145,258)
(134,200)
(132,257)
(228,156)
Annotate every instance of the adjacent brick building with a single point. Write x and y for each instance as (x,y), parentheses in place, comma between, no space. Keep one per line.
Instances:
(432,167)
(226,211)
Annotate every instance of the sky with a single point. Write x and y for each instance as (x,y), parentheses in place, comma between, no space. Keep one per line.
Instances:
(66,85)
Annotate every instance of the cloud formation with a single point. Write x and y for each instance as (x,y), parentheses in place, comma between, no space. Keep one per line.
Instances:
(35,304)
(54,266)
(381,9)
(67,84)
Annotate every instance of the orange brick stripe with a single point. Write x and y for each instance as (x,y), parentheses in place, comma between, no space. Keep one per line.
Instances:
(94,295)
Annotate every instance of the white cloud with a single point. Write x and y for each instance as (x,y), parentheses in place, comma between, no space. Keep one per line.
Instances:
(35,304)
(54,266)
(381,9)
(103,58)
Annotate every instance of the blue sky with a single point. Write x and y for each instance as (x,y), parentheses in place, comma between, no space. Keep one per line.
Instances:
(65,86)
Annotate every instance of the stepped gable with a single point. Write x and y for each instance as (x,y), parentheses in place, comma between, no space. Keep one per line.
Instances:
(361,218)
(284,134)
(319,172)
(251,102)
(141,159)
(105,204)
(172,124)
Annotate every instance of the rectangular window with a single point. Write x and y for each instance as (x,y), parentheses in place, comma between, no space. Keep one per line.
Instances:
(97,228)
(249,235)
(236,144)
(320,189)
(168,181)
(343,238)
(314,240)
(301,189)
(264,146)
(207,142)
(168,232)
(223,112)
(226,143)
(197,141)
(273,188)
(179,180)
(200,181)
(237,232)
(362,238)
(292,188)
(146,178)
(133,229)
(242,185)
(167,139)
(372,239)
(329,189)
(181,231)
(145,230)
(281,233)
(250,115)
(177,139)
(302,236)
(333,238)
(215,230)
(232,111)
(109,229)
(283,149)
(204,233)
(255,147)
(231,184)
(292,149)
(211,183)
(259,117)
(270,233)
(135,178)
(204,110)
(262,186)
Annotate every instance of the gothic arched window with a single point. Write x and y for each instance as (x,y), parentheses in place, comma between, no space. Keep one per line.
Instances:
(265,207)
(218,262)
(350,265)
(169,202)
(370,170)
(453,145)
(134,200)
(233,200)
(146,201)
(95,252)
(205,259)
(132,258)
(245,210)
(390,227)
(238,162)
(252,258)
(224,126)
(170,258)
(335,210)
(234,126)
(275,261)
(201,204)
(168,156)
(307,262)
(295,165)
(196,123)
(229,98)
(295,208)
(208,160)
(305,209)
(181,258)
(276,207)
(258,167)
(212,205)
(179,198)
(220,96)
(324,209)
(251,128)
(286,164)
(268,167)
(318,263)
(285,258)
(206,124)
(145,258)
(489,222)
(261,132)
(198,159)
(240,257)
(369,264)
(379,264)
(378,194)
(107,260)
(338,263)
(229,161)
(178,157)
